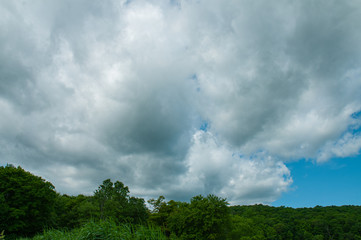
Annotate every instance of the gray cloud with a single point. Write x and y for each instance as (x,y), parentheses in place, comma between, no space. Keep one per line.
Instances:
(120,89)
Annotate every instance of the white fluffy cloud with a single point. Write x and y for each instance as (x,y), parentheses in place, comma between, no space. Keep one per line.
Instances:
(120,89)
(215,167)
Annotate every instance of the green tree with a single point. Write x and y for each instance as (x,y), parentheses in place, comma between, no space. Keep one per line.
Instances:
(160,212)
(157,204)
(114,202)
(136,210)
(27,202)
(74,211)
(204,218)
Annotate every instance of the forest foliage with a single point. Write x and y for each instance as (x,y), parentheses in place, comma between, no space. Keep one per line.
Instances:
(31,208)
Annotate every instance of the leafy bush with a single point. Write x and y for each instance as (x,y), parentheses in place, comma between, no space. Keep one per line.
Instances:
(104,230)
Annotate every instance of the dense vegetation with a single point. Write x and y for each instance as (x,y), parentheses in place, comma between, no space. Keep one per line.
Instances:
(265,222)
(103,230)
(30,208)
(26,201)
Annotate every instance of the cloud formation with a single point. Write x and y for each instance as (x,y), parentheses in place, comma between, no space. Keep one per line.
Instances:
(178,98)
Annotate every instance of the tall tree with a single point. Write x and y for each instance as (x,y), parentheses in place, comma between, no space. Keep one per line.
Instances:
(114,202)
(27,201)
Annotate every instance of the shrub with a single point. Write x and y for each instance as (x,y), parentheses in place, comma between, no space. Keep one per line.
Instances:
(104,230)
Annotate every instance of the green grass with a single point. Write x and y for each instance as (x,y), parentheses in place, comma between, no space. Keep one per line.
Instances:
(103,230)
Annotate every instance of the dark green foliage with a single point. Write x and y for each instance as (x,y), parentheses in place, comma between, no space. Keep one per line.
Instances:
(110,201)
(29,205)
(265,222)
(26,202)
(136,211)
(161,211)
(202,218)
(104,230)
(115,203)
(74,211)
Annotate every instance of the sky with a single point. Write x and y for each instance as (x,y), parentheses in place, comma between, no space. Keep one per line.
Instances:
(255,101)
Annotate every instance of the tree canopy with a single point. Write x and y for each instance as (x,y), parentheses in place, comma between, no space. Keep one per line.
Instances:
(26,201)
(114,202)
(202,218)
(29,205)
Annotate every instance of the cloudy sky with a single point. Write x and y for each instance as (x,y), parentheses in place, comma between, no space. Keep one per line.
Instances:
(256,101)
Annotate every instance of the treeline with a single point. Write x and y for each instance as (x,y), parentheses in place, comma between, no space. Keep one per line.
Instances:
(29,205)
(318,223)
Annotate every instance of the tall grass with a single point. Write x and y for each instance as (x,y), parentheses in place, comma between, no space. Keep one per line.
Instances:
(104,230)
